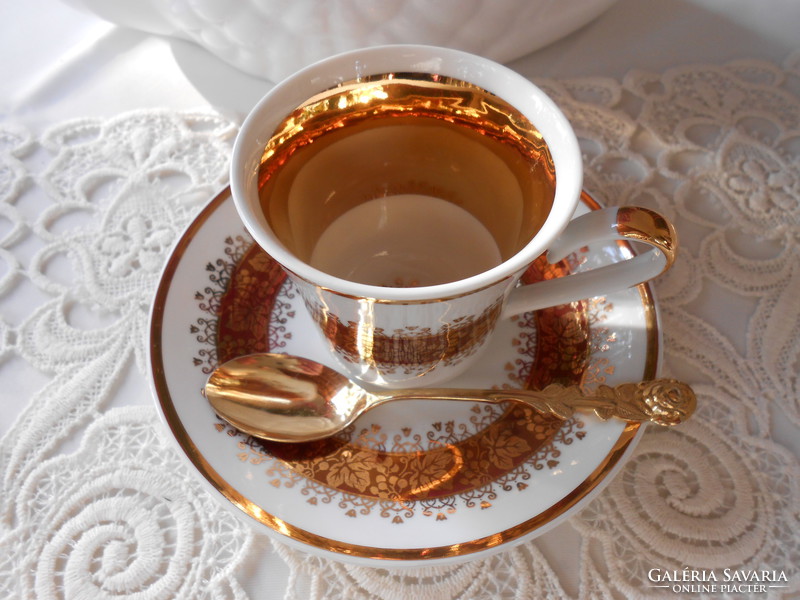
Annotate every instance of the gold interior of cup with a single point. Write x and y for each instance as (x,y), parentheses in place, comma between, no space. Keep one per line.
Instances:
(398,134)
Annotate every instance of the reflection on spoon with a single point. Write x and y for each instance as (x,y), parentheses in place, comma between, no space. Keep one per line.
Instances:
(286,398)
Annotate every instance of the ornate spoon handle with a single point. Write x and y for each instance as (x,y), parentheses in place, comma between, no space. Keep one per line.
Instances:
(662,401)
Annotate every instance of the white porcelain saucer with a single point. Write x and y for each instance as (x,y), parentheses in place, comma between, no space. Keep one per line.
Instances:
(410,483)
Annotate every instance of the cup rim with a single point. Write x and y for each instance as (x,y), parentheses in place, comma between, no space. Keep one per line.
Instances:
(524,95)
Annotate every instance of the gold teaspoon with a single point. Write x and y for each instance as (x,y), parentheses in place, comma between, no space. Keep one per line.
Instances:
(286,398)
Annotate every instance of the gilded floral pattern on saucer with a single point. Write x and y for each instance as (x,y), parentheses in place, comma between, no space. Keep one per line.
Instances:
(424,466)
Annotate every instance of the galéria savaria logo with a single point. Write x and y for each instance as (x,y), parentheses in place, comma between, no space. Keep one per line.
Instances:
(726,581)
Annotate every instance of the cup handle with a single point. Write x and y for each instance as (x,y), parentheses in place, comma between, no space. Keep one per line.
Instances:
(629,223)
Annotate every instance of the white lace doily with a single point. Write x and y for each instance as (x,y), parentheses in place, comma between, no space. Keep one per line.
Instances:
(89,209)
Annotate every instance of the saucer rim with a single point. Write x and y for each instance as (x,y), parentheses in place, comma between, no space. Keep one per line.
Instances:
(356,553)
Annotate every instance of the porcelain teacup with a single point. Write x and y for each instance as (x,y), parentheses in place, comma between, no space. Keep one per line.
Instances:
(405,190)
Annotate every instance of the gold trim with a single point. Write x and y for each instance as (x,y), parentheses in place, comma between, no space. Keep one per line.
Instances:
(164,399)
(409,349)
(644,225)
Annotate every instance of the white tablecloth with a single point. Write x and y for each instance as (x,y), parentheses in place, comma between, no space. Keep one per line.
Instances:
(691,107)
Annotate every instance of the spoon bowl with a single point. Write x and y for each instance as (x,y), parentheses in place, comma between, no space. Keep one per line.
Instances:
(284,398)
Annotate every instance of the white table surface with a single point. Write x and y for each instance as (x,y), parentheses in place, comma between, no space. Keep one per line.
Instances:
(59,63)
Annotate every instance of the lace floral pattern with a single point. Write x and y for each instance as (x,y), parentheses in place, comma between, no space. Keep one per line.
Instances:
(716,148)
(106,519)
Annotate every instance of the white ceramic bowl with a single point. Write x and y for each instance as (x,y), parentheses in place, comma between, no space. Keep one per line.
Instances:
(273,38)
